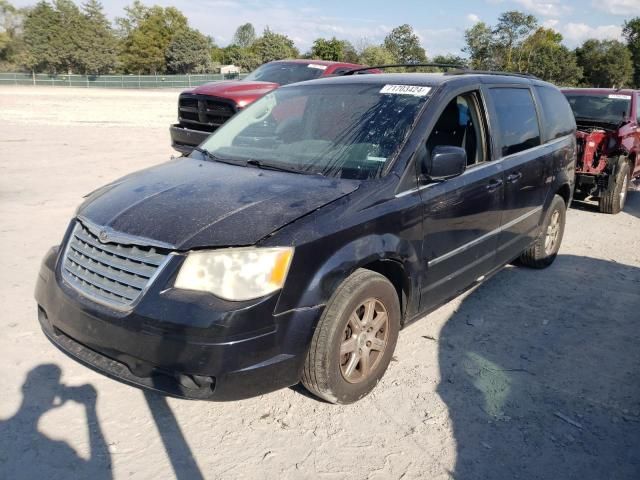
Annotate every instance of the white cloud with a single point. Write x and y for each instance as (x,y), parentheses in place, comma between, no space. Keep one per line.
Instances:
(546,8)
(576,33)
(473,18)
(551,23)
(618,7)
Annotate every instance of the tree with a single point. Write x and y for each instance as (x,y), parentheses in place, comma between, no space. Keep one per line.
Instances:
(274,46)
(189,52)
(11,44)
(146,34)
(332,49)
(512,29)
(376,55)
(479,46)
(245,58)
(606,63)
(404,45)
(245,36)
(631,33)
(96,40)
(543,55)
(450,59)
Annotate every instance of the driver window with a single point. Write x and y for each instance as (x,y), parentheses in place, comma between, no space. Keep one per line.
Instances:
(460,125)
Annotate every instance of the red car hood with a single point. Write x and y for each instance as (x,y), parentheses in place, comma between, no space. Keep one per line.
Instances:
(238,91)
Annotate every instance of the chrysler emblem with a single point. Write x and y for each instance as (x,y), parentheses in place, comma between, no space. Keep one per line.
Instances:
(103,236)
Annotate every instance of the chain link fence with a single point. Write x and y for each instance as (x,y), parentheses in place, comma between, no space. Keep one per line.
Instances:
(115,81)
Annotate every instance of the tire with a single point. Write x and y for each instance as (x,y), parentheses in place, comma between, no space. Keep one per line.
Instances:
(545,248)
(340,378)
(613,198)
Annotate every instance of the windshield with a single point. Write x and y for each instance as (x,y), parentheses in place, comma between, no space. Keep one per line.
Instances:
(286,72)
(345,131)
(605,108)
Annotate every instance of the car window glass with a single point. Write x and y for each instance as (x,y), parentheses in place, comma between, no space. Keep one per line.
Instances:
(638,107)
(517,121)
(558,117)
(460,125)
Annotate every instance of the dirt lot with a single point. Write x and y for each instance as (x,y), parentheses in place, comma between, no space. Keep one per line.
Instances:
(535,374)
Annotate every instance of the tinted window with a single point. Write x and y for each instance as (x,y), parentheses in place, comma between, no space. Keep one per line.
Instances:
(517,121)
(604,108)
(558,117)
(286,72)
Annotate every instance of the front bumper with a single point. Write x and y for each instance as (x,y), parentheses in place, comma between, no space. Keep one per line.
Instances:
(184,140)
(180,343)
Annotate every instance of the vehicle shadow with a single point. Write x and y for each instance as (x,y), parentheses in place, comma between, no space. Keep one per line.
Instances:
(632,206)
(540,371)
(25,452)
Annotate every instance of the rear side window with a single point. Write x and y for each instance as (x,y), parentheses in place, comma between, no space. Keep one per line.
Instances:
(517,119)
(558,117)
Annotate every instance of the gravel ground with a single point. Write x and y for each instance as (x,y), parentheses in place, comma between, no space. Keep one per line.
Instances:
(534,374)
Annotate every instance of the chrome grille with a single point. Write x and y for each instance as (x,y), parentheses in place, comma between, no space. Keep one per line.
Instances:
(111,273)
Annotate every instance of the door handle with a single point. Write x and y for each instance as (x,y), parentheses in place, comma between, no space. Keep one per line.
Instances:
(494,185)
(514,177)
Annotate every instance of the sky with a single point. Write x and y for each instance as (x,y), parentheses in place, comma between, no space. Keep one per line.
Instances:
(439,24)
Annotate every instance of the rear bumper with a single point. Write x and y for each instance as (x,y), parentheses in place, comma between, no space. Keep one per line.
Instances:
(184,139)
(198,353)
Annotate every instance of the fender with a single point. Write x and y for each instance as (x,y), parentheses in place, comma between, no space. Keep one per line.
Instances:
(328,274)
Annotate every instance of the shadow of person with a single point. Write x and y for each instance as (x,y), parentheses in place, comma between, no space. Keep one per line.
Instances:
(25,452)
(540,371)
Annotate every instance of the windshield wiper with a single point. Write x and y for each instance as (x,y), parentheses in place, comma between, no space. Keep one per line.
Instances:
(271,166)
(213,156)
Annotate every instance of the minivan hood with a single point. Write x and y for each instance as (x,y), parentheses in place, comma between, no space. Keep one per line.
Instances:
(189,203)
(239,91)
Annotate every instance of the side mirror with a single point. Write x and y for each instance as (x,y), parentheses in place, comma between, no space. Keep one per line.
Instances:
(444,162)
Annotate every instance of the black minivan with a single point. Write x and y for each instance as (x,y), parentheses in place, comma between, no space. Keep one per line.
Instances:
(299,238)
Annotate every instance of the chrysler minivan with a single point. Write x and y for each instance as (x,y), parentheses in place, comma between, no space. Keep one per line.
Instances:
(297,240)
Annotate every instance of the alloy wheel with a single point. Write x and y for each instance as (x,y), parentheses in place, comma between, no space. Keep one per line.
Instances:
(364,341)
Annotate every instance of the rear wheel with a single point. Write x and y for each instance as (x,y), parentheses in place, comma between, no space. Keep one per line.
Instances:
(544,250)
(613,198)
(354,340)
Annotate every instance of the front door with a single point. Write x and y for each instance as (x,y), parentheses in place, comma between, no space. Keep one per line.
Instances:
(461,215)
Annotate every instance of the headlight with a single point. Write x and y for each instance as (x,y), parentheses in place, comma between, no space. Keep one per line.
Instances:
(235,273)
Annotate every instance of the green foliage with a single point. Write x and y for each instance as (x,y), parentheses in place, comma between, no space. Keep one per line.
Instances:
(245,36)
(274,46)
(511,31)
(376,55)
(333,49)
(479,45)
(146,35)
(11,43)
(516,44)
(189,52)
(606,63)
(449,60)
(96,40)
(404,45)
(631,33)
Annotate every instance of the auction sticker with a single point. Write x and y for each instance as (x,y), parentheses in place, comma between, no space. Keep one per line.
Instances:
(620,97)
(315,65)
(415,90)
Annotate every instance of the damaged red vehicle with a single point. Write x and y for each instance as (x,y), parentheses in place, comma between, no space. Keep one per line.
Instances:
(608,140)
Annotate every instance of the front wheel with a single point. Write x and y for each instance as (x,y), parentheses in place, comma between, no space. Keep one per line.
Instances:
(544,250)
(354,340)
(613,198)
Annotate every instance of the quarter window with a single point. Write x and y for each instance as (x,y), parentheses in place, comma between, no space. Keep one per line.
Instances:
(516,118)
(558,117)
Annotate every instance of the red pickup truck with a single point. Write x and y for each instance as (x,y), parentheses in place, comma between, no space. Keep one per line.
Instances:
(608,140)
(203,109)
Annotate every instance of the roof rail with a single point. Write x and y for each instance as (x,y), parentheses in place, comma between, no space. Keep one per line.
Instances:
(467,71)
(458,70)
(406,65)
